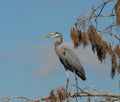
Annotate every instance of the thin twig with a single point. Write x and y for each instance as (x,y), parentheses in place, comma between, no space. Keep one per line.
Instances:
(111,34)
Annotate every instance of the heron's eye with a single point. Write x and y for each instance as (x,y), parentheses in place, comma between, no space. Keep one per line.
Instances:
(56,34)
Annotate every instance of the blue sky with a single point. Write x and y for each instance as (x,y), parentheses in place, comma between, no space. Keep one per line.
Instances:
(28,64)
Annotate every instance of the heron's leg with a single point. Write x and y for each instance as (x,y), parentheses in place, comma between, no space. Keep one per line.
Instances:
(67,80)
(76,80)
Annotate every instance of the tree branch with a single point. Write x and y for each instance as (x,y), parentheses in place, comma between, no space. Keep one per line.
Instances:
(85,94)
(111,34)
(95,95)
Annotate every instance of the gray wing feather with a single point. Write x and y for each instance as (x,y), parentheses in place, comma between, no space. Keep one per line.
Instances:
(71,62)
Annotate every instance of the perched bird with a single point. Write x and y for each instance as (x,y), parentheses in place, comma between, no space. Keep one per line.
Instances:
(68,58)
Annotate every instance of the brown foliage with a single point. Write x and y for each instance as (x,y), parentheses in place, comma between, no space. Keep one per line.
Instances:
(94,38)
(84,38)
(52,96)
(114,61)
(58,95)
(110,50)
(117,11)
(98,39)
(76,36)
(117,50)
(61,94)
(119,68)
(98,45)
(102,49)
(114,65)
(91,34)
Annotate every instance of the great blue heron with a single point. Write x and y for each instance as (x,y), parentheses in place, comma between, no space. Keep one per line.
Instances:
(68,58)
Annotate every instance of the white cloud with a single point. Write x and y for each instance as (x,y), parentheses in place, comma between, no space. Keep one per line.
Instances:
(44,57)
(49,61)
(88,59)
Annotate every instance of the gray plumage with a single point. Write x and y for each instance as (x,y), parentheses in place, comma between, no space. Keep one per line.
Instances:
(71,62)
(67,57)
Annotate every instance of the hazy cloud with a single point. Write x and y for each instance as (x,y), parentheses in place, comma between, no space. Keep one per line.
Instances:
(49,61)
(88,59)
(44,57)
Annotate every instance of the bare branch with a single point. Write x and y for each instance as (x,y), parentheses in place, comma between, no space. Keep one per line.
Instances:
(85,94)
(95,95)
(111,34)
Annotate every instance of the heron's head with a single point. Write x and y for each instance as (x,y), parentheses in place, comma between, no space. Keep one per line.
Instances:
(53,35)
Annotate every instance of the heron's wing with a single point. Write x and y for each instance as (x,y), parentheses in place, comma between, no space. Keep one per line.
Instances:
(64,61)
(73,62)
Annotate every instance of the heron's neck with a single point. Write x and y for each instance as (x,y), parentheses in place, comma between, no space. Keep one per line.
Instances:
(58,42)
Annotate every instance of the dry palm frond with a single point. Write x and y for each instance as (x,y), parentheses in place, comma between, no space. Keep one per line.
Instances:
(52,96)
(102,50)
(76,36)
(94,38)
(117,11)
(118,68)
(98,39)
(110,50)
(114,62)
(57,95)
(84,38)
(114,65)
(61,94)
(112,73)
(117,50)
(91,35)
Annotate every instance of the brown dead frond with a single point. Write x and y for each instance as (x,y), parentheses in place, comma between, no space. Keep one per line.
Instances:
(117,11)
(98,39)
(76,36)
(114,61)
(98,45)
(84,39)
(118,68)
(110,50)
(61,94)
(92,36)
(113,64)
(112,73)
(102,49)
(57,95)
(117,50)
(52,96)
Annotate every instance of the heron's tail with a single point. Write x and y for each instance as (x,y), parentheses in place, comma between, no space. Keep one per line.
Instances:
(81,75)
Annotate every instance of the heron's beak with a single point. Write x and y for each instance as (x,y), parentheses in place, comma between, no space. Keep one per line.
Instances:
(48,36)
